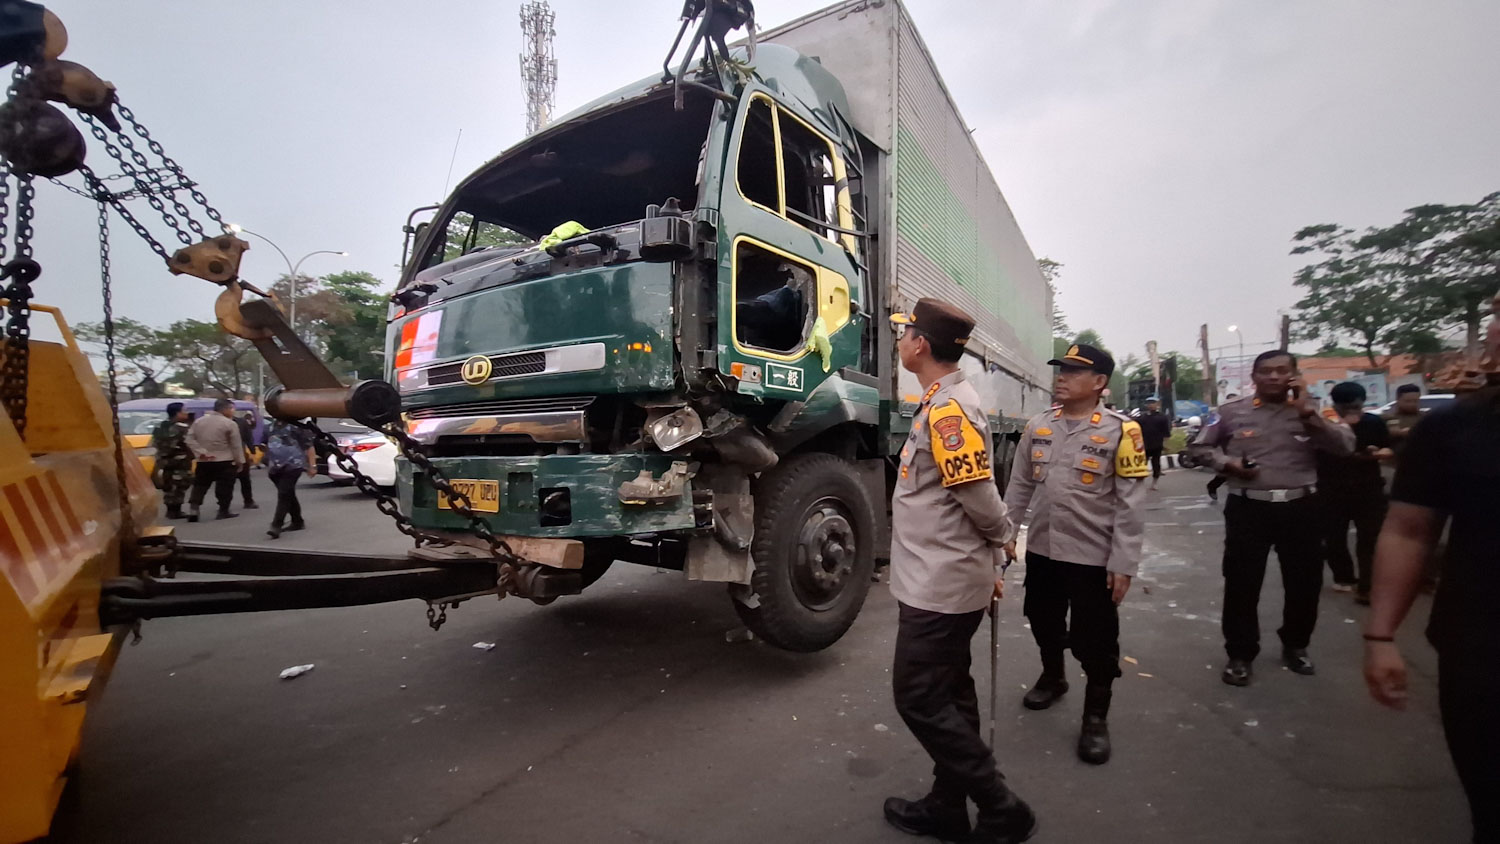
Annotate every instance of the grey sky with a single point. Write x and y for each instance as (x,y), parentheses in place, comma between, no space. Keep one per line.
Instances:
(1165,152)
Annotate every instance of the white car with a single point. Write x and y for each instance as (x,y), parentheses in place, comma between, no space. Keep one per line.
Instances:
(372,453)
(1431,401)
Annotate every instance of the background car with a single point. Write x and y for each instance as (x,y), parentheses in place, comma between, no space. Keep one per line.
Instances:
(1431,401)
(139,418)
(372,452)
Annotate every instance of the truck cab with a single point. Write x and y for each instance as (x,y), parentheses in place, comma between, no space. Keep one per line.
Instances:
(706,315)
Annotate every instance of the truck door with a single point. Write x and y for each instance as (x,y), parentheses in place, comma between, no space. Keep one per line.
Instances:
(790,284)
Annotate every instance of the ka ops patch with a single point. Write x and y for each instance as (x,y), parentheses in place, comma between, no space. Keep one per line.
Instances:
(961,453)
(1130,458)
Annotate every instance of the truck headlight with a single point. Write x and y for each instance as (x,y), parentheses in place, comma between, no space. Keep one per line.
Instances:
(675,429)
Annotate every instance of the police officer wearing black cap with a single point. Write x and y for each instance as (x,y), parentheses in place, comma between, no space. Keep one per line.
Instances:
(1081,470)
(949,527)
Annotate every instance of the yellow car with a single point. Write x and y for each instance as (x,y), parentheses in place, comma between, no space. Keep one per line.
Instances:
(139,418)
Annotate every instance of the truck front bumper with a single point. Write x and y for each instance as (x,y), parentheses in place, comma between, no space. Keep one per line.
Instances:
(561,495)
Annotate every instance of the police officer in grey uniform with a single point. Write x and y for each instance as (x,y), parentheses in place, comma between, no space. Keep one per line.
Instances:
(949,529)
(1266,444)
(1081,470)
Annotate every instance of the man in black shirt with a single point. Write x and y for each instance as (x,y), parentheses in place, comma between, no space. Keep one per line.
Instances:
(1450,468)
(1351,490)
(1156,427)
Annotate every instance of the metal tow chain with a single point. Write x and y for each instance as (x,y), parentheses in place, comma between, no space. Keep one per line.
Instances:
(156,148)
(384,501)
(102,193)
(127,518)
(412,450)
(135,175)
(21,271)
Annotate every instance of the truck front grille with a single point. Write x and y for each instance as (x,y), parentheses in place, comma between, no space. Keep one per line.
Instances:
(504,366)
(500,408)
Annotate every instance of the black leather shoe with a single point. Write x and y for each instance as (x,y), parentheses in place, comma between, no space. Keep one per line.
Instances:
(1297,661)
(1011,825)
(1093,740)
(274,532)
(250,505)
(1045,692)
(1237,672)
(1213,493)
(225,514)
(928,817)
(296,526)
(176,514)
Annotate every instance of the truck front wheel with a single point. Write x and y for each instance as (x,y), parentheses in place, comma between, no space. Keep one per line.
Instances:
(813,551)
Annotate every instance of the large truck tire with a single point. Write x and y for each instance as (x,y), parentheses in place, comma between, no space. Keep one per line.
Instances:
(598,556)
(814,553)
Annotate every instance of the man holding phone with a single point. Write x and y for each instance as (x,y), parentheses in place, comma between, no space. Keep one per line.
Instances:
(1267,445)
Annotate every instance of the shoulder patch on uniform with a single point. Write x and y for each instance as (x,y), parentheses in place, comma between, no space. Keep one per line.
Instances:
(1130,457)
(962,454)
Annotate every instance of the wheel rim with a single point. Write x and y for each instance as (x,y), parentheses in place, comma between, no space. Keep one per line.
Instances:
(823,558)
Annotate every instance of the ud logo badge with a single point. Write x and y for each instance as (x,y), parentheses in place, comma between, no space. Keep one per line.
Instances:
(476,370)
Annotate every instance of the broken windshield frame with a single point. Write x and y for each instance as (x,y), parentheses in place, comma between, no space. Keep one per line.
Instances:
(601,170)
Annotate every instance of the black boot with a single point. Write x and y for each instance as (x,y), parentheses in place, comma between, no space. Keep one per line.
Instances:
(928,816)
(274,532)
(1093,741)
(225,514)
(193,513)
(1045,691)
(1009,823)
(175,513)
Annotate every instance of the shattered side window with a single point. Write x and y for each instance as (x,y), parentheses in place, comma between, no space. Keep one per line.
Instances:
(756,168)
(807,158)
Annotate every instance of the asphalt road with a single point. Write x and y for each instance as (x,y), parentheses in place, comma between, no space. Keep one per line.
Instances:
(624,715)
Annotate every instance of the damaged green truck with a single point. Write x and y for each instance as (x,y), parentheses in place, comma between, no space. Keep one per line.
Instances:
(705,379)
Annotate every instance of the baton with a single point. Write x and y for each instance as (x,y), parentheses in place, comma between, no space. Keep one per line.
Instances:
(995,652)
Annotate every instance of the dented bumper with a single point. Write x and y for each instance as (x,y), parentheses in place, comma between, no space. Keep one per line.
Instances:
(563,495)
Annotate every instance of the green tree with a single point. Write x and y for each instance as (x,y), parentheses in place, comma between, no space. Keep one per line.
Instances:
(1460,268)
(139,346)
(1050,271)
(465,234)
(341,316)
(209,359)
(1359,290)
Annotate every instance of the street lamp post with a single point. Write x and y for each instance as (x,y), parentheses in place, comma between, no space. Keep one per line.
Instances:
(1235,330)
(291,267)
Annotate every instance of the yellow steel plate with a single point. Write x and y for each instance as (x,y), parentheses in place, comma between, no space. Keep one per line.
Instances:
(484,496)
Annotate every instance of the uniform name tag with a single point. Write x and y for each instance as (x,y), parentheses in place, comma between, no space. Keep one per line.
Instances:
(962,455)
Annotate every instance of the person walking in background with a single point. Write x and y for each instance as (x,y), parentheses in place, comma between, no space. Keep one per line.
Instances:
(1156,427)
(246,423)
(948,526)
(1080,470)
(289,454)
(1351,490)
(174,459)
(1400,419)
(1448,471)
(1267,445)
(215,442)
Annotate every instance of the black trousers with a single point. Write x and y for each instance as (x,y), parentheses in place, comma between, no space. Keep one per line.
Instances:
(246,493)
(1251,529)
(1469,697)
(936,698)
(1154,455)
(1366,511)
(287,504)
(220,475)
(1052,589)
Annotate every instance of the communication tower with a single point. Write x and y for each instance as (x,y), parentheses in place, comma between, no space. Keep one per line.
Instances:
(538,65)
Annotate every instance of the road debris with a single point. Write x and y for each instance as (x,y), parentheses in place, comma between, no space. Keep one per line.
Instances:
(296,671)
(1132,660)
(881,728)
(485,646)
(739,634)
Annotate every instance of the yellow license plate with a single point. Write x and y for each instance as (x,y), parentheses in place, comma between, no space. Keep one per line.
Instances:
(484,496)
